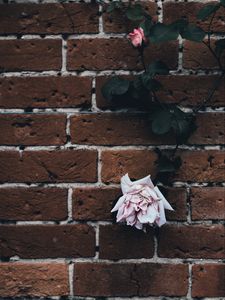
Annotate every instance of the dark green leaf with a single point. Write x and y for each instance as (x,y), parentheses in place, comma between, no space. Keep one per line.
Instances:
(193,33)
(165,165)
(149,83)
(179,25)
(146,25)
(115,87)
(206,11)
(158,68)
(162,122)
(135,13)
(220,46)
(222,2)
(162,33)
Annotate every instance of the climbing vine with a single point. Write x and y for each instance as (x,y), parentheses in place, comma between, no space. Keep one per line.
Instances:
(165,118)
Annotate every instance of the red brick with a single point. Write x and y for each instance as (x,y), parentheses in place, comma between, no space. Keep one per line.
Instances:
(186,90)
(47,241)
(131,129)
(175,11)
(200,166)
(33,280)
(28,18)
(48,166)
(116,22)
(30,55)
(128,280)
(195,241)
(138,163)
(94,203)
(114,239)
(29,129)
(33,204)
(116,53)
(177,197)
(197,56)
(208,280)
(207,203)
(44,92)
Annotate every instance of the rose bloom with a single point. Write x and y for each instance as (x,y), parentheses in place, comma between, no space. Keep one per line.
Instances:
(137,37)
(141,203)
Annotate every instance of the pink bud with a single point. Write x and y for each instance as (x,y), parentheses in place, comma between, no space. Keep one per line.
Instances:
(137,37)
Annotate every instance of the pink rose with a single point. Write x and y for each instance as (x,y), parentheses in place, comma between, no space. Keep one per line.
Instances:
(141,203)
(137,37)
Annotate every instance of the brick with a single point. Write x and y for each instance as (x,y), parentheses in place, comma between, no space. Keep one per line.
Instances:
(201,166)
(207,203)
(128,280)
(195,241)
(30,55)
(94,204)
(29,129)
(177,197)
(189,11)
(188,90)
(131,129)
(116,53)
(48,166)
(113,241)
(45,241)
(29,18)
(138,163)
(197,56)
(33,204)
(208,280)
(44,92)
(197,166)
(115,22)
(33,280)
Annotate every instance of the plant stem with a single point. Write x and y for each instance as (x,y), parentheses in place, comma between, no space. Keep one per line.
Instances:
(141,51)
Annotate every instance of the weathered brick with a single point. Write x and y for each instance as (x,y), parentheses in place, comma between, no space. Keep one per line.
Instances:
(33,280)
(188,90)
(200,166)
(137,163)
(116,23)
(44,92)
(177,197)
(208,280)
(30,55)
(174,11)
(207,203)
(128,280)
(29,129)
(94,203)
(114,241)
(198,56)
(33,204)
(48,166)
(195,241)
(116,53)
(48,18)
(131,129)
(47,241)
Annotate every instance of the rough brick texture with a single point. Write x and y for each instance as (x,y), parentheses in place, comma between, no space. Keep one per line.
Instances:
(30,55)
(33,204)
(64,148)
(34,280)
(130,279)
(45,92)
(45,241)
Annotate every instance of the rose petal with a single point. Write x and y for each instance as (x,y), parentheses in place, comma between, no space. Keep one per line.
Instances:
(119,203)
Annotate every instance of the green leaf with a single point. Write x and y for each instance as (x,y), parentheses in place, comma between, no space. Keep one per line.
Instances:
(222,2)
(135,13)
(165,165)
(162,122)
(115,87)
(150,83)
(220,46)
(162,33)
(193,33)
(146,25)
(158,68)
(207,10)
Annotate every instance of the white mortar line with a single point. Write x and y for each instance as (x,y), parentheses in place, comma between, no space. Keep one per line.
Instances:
(70,205)
(71,274)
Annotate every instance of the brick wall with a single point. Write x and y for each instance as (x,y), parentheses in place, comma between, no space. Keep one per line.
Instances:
(64,148)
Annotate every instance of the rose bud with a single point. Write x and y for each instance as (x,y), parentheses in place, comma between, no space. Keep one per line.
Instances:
(137,37)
